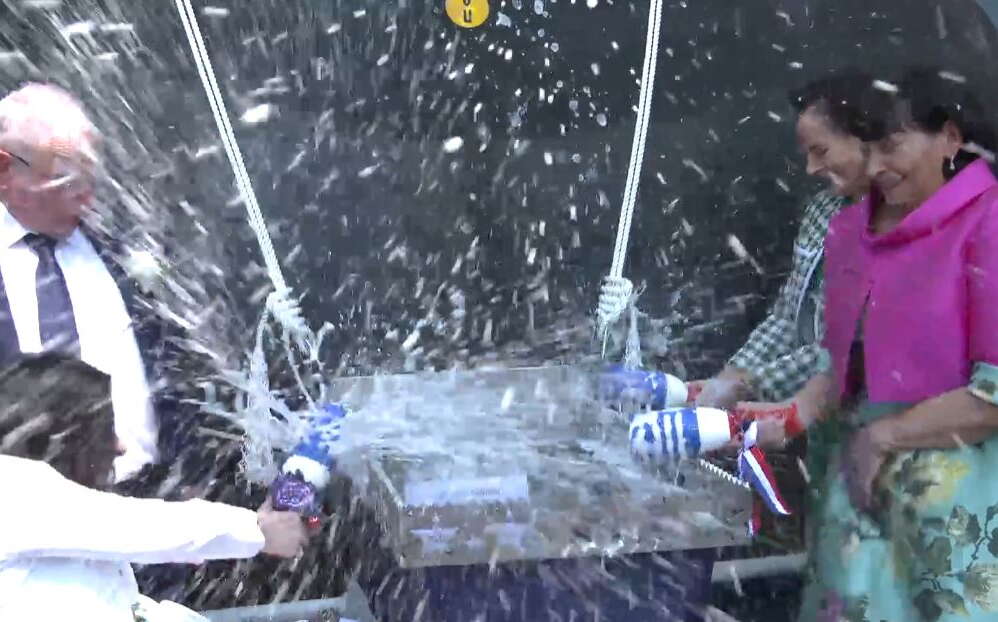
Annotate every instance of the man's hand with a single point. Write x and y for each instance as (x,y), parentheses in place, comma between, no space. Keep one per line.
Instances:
(615,294)
(283,532)
(725,390)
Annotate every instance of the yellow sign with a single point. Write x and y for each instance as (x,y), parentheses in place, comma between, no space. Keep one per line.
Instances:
(468,13)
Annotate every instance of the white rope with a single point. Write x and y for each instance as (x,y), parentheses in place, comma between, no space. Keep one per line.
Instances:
(631,193)
(640,135)
(280,305)
(228,137)
(637,149)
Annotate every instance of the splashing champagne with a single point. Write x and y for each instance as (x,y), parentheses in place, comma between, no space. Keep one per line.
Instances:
(307,471)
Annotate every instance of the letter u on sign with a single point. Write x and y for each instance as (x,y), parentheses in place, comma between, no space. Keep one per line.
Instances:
(467,13)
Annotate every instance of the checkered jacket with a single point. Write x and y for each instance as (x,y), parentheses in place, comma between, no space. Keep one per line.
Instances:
(781,354)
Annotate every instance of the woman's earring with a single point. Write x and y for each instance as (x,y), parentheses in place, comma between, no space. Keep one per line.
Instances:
(952,164)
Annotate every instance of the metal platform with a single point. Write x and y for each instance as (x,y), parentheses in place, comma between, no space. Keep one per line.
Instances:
(533,470)
(352,606)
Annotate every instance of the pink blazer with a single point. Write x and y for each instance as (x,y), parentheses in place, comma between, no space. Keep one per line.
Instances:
(930,286)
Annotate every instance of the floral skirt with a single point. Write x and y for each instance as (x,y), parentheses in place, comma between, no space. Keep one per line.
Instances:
(929,554)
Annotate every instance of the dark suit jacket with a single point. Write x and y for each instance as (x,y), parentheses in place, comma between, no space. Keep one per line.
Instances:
(158,344)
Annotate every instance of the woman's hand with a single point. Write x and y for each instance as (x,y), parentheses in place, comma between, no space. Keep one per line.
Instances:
(724,390)
(865,456)
(693,390)
(949,421)
(778,422)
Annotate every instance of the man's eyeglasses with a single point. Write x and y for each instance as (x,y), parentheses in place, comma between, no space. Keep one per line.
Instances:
(17,157)
(73,180)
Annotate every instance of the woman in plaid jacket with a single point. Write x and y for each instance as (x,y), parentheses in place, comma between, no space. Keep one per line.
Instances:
(784,351)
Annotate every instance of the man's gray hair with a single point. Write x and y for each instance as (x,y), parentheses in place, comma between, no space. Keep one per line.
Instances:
(47,116)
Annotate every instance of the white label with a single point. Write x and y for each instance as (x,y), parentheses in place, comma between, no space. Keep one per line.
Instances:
(435,540)
(462,491)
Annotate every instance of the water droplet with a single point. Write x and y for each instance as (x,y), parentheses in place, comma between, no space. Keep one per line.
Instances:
(119,27)
(258,114)
(507,399)
(453,143)
(78,28)
(7,56)
(885,86)
(601,119)
(539,7)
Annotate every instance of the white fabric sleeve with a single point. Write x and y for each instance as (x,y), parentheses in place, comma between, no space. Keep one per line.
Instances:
(46,515)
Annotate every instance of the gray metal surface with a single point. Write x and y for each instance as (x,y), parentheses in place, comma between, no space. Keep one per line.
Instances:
(737,570)
(350,607)
(516,464)
(327,610)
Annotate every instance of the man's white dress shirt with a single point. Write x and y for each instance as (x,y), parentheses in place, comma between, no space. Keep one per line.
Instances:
(107,340)
(65,549)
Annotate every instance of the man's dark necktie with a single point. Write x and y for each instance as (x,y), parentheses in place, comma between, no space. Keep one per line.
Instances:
(55,310)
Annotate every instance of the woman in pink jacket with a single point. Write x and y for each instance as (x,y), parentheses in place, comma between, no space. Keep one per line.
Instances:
(905,525)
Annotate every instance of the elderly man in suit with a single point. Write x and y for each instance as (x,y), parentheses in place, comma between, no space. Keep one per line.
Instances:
(60,293)
(57,292)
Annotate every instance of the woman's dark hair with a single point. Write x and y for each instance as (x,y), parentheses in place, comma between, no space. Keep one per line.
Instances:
(925,99)
(57,409)
(840,97)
